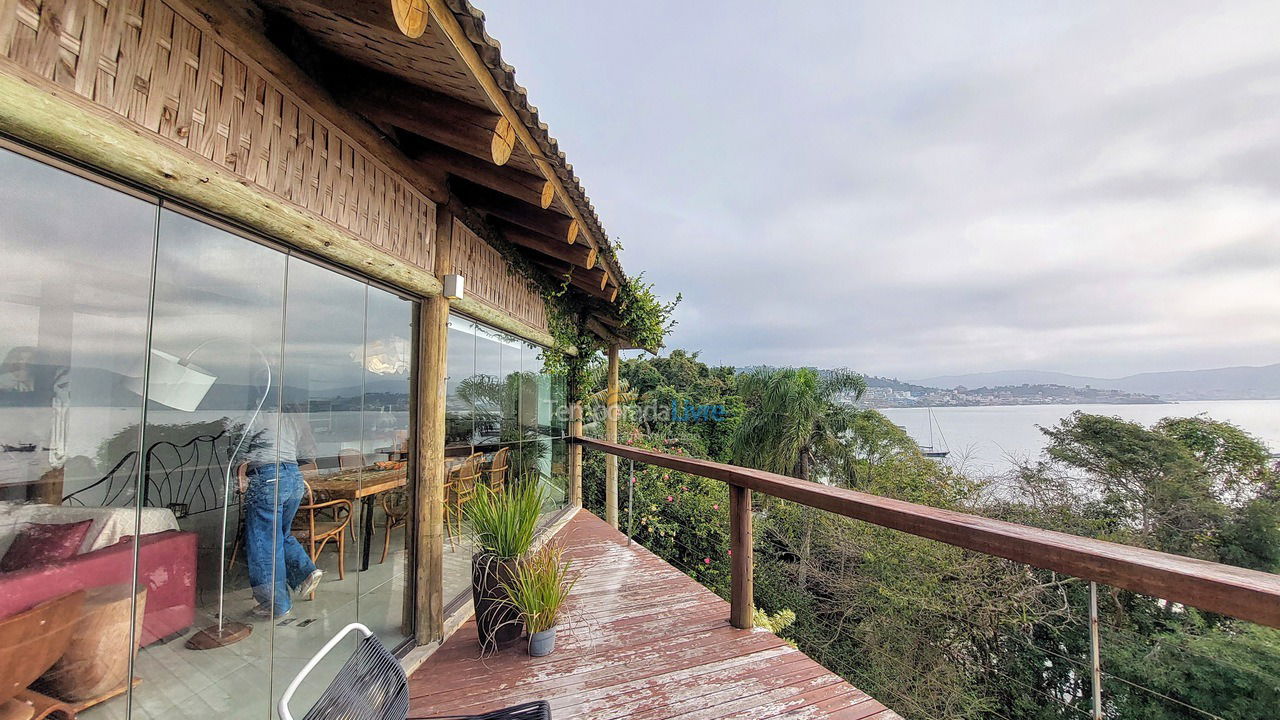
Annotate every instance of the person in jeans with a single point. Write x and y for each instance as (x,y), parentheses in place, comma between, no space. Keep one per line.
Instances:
(273,489)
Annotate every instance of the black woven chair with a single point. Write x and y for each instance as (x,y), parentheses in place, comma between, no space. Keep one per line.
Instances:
(372,686)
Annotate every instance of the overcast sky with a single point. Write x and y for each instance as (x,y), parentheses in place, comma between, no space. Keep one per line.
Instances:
(917,189)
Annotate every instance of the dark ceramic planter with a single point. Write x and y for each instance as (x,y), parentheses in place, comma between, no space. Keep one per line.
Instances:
(498,622)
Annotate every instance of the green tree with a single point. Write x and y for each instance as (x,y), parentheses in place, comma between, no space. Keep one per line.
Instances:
(793,422)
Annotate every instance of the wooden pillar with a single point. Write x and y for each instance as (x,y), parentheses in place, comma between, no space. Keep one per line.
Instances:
(612,411)
(575,450)
(742,593)
(433,336)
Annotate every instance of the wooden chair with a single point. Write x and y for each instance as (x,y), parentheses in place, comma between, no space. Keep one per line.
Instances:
(395,503)
(315,531)
(497,470)
(459,490)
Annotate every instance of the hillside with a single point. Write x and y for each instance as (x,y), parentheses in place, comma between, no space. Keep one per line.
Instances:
(1230,383)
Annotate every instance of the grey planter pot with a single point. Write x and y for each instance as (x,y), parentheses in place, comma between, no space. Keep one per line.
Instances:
(542,643)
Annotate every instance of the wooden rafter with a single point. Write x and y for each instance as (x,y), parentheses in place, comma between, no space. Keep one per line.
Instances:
(475,131)
(504,179)
(576,254)
(448,25)
(505,207)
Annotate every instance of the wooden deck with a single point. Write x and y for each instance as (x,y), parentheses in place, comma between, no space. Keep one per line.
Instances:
(642,641)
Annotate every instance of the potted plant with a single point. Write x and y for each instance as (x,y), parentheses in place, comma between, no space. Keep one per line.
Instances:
(539,589)
(502,525)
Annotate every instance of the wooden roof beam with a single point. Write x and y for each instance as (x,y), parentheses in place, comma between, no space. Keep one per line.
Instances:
(580,280)
(523,186)
(576,254)
(476,131)
(527,216)
(448,25)
(597,277)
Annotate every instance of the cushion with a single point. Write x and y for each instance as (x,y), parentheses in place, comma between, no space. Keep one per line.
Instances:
(40,544)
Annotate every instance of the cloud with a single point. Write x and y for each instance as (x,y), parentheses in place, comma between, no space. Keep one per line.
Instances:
(928,188)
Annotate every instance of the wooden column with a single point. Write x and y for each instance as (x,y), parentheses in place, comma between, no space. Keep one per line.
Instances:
(433,336)
(742,593)
(612,411)
(575,450)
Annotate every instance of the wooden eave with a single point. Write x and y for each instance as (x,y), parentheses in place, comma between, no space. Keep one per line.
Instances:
(451,104)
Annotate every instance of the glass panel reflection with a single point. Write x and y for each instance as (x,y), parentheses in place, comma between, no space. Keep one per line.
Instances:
(214,434)
(73,322)
(385,493)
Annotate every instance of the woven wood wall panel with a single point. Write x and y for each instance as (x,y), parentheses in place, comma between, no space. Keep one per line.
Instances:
(157,65)
(491,280)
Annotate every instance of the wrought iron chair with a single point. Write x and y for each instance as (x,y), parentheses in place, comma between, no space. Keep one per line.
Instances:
(372,686)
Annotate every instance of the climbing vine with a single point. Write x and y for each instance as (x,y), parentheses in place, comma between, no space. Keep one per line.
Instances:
(643,317)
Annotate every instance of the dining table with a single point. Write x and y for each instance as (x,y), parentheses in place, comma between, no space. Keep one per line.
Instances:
(361,485)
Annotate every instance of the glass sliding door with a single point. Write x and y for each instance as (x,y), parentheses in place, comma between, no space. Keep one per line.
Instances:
(205,452)
(386,493)
(75,282)
(322,381)
(219,446)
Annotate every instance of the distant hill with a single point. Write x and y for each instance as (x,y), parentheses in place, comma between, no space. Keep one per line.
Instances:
(1012,377)
(1231,383)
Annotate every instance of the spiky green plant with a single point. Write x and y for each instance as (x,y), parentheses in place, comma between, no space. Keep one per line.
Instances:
(504,523)
(540,587)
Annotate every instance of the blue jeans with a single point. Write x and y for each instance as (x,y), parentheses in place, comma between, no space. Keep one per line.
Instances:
(277,561)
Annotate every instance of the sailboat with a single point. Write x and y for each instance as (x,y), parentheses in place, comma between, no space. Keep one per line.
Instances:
(931,451)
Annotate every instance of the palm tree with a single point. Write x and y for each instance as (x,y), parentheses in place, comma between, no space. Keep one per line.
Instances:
(794,422)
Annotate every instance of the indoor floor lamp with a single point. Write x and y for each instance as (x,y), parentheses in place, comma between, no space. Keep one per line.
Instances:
(177,383)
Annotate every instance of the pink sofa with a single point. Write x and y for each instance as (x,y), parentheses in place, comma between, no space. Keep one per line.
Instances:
(166,566)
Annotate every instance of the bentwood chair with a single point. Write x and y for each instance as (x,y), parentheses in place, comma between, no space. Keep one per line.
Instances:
(372,686)
(313,529)
(497,470)
(395,505)
(459,490)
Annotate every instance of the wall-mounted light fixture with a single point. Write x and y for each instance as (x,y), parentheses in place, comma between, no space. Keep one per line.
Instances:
(454,286)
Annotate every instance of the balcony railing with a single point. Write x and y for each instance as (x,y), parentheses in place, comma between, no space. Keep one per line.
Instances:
(1235,592)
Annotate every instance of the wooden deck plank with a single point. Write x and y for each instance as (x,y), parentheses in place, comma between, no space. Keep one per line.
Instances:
(641,640)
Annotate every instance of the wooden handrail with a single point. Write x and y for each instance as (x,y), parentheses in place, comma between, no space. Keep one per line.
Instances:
(1245,594)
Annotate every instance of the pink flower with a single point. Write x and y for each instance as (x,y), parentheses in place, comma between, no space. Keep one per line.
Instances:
(670,499)
(633,481)
(716,506)
(684,489)
(706,561)
(666,476)
(730,553)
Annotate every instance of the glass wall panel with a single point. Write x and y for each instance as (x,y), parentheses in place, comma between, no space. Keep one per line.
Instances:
(74,294)
(385,491)
(253,504)
(323,386)
(485,387)
(460,413)
(219,451)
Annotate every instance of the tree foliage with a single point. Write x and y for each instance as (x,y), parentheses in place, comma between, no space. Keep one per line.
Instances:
(938,632)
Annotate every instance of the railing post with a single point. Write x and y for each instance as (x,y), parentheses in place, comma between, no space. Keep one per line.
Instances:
(611,434)
(575,454)
(1094,651)
(742,601)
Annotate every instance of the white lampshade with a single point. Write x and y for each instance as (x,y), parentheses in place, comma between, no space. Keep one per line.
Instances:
(174,382)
